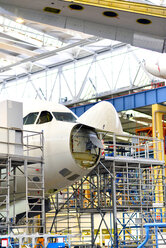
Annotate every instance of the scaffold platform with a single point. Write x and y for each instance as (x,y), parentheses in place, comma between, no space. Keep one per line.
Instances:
(127,186)
(21,164)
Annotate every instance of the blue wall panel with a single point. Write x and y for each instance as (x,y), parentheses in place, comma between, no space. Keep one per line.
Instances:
(161,94)
(140,99)
(151,97)
(78,110)
(81,109)
(118,103)
(132,101)
(129,102)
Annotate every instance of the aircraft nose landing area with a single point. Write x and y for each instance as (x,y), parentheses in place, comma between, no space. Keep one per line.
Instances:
(86,146)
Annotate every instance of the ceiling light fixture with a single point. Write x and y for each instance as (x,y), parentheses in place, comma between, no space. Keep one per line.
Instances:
(20,20)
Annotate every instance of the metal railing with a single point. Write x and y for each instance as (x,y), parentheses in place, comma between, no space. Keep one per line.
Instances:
(34,240)
(21,152)
(135,164)
(147,229)
(135,147)
(14,141)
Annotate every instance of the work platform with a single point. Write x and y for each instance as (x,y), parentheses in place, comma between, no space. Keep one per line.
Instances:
(21,180)
(111,205)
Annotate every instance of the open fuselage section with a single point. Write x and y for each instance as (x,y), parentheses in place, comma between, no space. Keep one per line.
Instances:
(71,149)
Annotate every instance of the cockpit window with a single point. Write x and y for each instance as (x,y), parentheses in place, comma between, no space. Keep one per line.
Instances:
(44,117)
(30,118)
(63,116)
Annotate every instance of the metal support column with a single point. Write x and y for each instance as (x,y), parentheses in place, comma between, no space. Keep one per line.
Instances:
(8,195)
(114,207)
(92,230)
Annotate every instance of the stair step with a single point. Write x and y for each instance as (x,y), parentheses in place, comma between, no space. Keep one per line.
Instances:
(31,211)
(35,196)
(37,175)
(33,189)
(40,182)
(36,204)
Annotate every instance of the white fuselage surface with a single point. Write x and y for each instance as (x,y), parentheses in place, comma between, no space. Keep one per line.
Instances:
(71,145)
(67,157)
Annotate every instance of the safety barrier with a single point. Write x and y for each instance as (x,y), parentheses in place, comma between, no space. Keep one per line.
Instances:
(35,241)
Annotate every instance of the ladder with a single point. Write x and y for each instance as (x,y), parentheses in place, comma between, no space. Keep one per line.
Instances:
(4,194)
(35,196)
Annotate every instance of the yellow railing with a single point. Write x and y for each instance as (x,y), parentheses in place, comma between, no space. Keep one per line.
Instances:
(140,8)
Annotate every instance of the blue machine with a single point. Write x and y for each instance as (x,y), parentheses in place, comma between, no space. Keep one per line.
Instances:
(56,245)
(53,242)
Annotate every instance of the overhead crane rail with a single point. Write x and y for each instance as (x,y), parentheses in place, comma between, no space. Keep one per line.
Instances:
(130,101)
(134,7)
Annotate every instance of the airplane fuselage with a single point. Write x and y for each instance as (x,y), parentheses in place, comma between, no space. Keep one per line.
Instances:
(69,149)
(58,154)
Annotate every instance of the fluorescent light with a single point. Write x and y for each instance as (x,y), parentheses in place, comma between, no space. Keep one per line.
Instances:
(20,20)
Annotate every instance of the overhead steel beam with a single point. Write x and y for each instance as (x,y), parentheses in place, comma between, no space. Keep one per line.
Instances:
(134,7)
(54,52)
(16,49)
(50,53)
(132,101)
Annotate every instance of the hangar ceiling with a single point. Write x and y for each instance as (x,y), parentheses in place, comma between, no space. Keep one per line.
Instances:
(132,22)
(20,45)
(24,49)
(31,47)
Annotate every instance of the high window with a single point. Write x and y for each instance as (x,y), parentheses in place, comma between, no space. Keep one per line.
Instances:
(30,118)
(44,117)
(64,116)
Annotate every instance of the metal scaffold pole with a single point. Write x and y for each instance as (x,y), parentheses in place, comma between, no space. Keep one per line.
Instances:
(114,207)
(92,230)
(8,194)
(16,168)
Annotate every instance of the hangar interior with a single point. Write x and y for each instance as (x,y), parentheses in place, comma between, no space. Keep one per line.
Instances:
(110,206)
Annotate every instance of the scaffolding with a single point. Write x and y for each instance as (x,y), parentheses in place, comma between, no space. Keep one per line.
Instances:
(127,187)
(21,181)
(35,240)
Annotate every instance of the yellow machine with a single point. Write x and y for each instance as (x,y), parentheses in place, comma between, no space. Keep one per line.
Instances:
(159,131)
(159,124)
